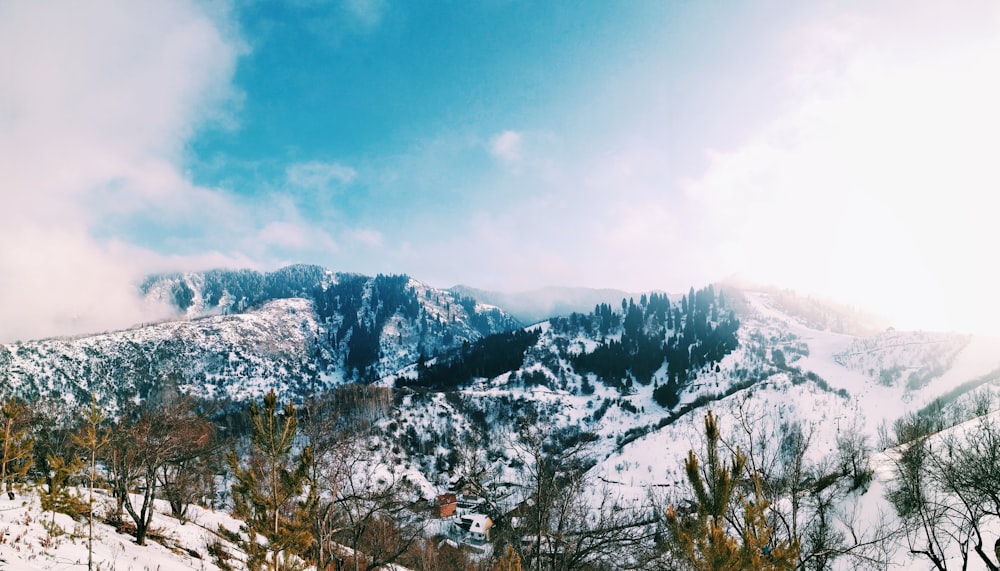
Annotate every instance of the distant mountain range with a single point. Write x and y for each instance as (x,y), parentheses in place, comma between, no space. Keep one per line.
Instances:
(538,305)
(304,328)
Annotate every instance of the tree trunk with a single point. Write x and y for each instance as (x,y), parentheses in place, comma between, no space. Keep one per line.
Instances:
(3,459)
(144,517)
(986,559)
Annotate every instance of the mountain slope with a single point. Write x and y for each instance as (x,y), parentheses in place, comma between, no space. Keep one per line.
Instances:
(238,334)
(465,387)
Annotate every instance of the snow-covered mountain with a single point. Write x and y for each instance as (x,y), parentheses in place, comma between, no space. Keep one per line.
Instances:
(633,378)
(303,329)
(781,368)
(238,334)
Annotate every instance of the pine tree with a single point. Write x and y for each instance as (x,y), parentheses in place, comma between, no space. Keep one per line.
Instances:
(15,444)
(760,549)
(509,562)
(703,539)
(57,497)
(268,494)
(91,438)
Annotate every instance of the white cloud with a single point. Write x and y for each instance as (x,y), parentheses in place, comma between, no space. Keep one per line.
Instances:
(319,175)
(507,146)
(872,180)
(365,13)
(94,116)
(96,103)
(878,186)
(366,237)
(287,235)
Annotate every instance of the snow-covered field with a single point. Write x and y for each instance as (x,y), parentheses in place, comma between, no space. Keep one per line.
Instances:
(31,539)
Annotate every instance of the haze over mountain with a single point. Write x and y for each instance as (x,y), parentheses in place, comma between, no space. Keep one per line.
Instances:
(540,304)
(843,149)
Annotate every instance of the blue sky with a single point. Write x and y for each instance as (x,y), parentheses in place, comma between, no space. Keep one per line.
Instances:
(409,125)
(844,149)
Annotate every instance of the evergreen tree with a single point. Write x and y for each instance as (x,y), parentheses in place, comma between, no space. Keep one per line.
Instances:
(509,562)
(91,438)
(268,493)
(56,497)
(15,444)
(703,539)
(666,395)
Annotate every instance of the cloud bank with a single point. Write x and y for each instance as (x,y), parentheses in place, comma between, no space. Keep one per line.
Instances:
(874,186)
(96,103)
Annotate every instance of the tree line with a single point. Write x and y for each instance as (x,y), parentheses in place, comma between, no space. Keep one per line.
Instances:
(636,342)
(485,358)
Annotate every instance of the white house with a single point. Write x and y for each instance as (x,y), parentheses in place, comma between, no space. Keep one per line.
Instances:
(477,525)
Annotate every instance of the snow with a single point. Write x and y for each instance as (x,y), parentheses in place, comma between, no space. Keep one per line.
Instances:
(636,458)
(30,542)
(31,539)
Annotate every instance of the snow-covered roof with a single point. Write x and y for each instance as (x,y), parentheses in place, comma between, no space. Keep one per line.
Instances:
(479,522)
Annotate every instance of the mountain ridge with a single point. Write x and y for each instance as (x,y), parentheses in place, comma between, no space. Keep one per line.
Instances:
(534,306)
(632,378)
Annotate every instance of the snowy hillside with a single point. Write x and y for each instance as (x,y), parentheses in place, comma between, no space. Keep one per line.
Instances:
(32,539)
(781,369)
(784,378)
(232,356)
(455,398)
(239,334)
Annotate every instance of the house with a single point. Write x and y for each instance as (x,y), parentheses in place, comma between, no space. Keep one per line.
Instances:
(445,505)
(463,487)
(469,504)
(477,526)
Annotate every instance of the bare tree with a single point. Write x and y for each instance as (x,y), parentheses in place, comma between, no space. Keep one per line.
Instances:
(142,443)
(945,488)
(854,453)
(595,529)
(567,523)
(186,475)
(334,440)
(966,466)
(552,459)
(377,507)
(925,512)
(485,478)
(358,500)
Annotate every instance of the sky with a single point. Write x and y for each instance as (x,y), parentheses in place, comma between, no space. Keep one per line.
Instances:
(843,149)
